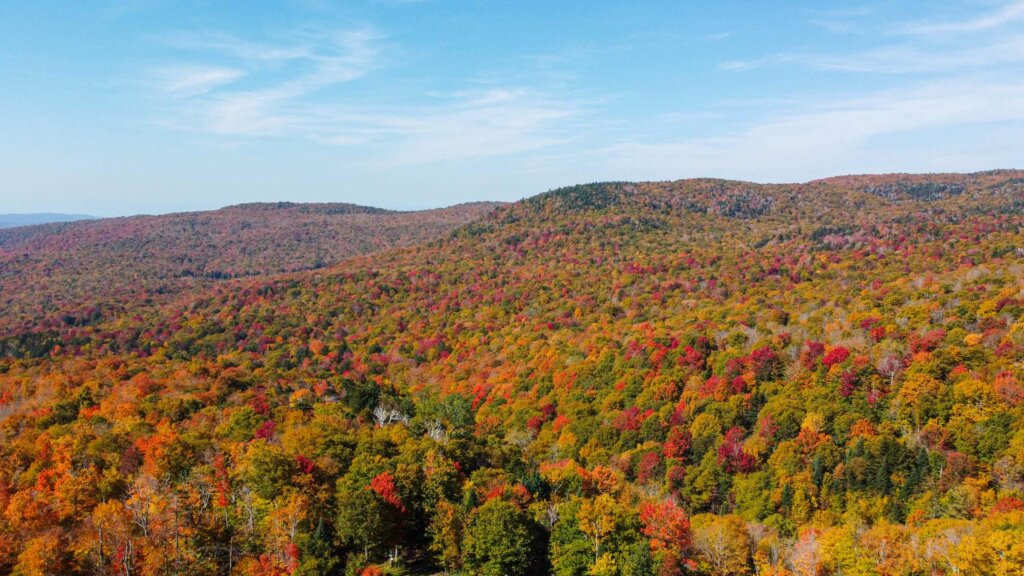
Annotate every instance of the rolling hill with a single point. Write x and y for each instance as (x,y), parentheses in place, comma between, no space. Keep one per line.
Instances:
(76,272)
(692,377)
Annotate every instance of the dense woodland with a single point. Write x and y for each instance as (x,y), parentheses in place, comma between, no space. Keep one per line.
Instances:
(74,273)
(696,377)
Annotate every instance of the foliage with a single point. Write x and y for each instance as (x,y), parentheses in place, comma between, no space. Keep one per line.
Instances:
(694,377)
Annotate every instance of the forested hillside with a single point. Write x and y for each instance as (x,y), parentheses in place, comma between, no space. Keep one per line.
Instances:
(694,377)
(78,272)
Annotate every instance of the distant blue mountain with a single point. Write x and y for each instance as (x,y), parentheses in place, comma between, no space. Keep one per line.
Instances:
(12,220)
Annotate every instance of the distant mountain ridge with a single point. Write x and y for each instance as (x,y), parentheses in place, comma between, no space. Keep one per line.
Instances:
(308,208)
(77,272)
(78,267)
(15,220)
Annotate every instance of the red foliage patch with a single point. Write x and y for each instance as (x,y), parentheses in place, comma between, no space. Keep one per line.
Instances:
(731,454)
(266,430)
(383,485)
(837,355)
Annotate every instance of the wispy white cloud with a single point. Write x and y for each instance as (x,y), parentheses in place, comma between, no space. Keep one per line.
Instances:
(820,138)
(902,58)
(322,58)
(285,94)
(207,43)
(190,81)
(1006,14)
(761,62)
(848,20)
(495,122)
(462,125)
(917,47)
(961,82)
(719,36)
(296,87)
(281,78)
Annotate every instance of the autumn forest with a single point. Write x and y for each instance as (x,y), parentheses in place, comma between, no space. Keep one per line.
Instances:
(697,377)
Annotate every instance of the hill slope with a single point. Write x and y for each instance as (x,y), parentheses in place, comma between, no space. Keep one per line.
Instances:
(83,269)
(699,376)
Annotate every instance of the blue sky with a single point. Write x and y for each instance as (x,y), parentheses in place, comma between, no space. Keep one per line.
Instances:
(146,106)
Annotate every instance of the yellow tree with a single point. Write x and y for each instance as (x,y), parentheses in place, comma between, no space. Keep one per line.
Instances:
(887,546)
(598,519)
(841,552)
(41,556)
(112,530)
(722,544)
(446,531)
